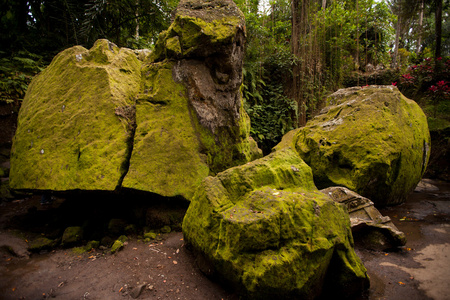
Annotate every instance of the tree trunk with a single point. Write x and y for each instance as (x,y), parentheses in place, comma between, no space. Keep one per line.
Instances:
(397,40)
(22,13)
(295,45)
(419,39)
(438,26)
(137,20)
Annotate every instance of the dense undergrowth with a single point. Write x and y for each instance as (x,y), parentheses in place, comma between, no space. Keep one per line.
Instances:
(16,72)
(272,112)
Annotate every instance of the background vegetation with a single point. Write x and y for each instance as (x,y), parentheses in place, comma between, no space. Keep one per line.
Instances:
(297,50)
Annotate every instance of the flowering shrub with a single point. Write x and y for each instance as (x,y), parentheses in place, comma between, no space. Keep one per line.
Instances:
(407,79)
(441,89)
(439,92)
(420,78)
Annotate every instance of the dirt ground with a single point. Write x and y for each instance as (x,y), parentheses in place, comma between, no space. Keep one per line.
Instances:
(420,270)
(167,270)
(162,269)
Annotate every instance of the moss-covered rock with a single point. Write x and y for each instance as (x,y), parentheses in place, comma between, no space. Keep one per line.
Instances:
(166,156)
(101,119)
(118,245)
(72,235)
(166,229)
(92,245)
(200,29)
(123,238)
(86,248)
(266,228)
(150,235)
(41,243)
(211,36)
(372,140)
(190,117)
(71,134)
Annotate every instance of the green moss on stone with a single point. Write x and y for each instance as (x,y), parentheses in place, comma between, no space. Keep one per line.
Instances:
(118,245)
(72,235)
(86,248)
(166,229)
(41,243)
(68,135)
(115,122)
(373,141)
(79,250)
(150,235)
(166,156)
(123,238)
(191,34)
(92,245)
(173,47)
(267,229)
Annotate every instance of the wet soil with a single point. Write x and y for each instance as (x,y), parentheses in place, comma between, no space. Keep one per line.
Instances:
(421,269)
(166,269)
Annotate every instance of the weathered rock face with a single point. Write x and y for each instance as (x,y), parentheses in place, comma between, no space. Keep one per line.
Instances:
(207,37)
(102,119)
(373,141)
(265,227)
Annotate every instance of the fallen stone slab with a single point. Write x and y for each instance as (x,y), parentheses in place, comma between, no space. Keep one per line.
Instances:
(368,225)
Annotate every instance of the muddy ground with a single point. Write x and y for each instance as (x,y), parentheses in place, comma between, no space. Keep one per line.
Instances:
(165,269)
(421,269)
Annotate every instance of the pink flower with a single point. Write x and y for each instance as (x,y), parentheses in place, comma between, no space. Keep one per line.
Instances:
(433,88)
(394,83)
(439,58)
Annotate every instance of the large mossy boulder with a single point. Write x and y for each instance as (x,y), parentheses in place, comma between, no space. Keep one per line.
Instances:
(372,140)
(69,135)
(265,228)
(110,118)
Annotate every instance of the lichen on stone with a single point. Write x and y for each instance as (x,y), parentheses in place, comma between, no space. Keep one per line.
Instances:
(41,243)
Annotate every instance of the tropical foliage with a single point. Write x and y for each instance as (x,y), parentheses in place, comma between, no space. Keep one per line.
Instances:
(297,51)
